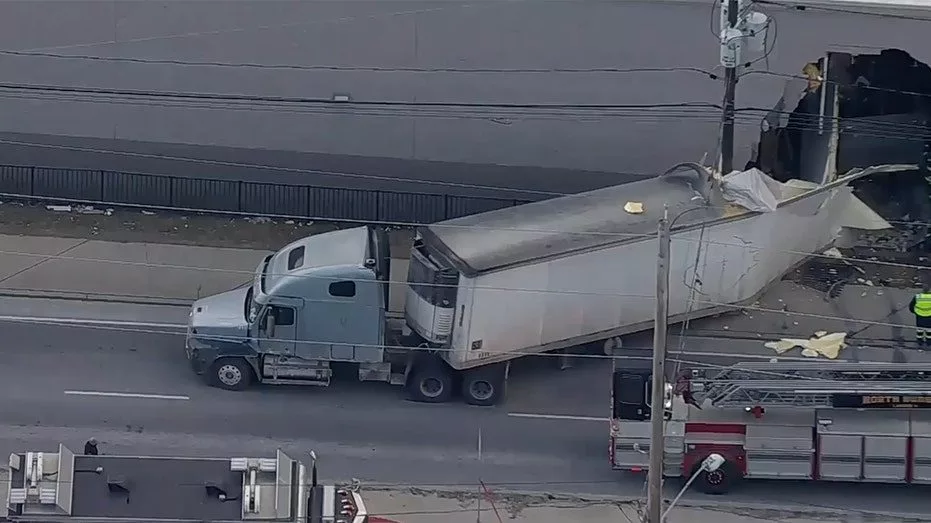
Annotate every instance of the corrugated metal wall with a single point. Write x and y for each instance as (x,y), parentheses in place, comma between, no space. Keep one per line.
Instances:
(203,194)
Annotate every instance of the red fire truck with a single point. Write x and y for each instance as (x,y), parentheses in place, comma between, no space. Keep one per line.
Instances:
(819,420)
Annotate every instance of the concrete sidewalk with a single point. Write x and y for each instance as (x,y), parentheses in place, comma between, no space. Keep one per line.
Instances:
(415,506)
(144,273)
(134,271)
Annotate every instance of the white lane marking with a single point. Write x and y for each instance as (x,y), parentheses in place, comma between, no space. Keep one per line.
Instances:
(480,444)
(555,417)
(125,395)
(83,321)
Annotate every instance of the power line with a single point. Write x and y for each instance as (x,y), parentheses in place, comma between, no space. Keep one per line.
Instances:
(837,83)
(441,225)
(327,101)
(172,330)
(398,69)
(895,130)
(731,334)
(498,113)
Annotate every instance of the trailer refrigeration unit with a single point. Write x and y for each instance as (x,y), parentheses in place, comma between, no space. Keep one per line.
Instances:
(819,420)
(488,288)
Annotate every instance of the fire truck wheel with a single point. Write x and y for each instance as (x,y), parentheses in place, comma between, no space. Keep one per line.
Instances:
(230,374)
(484,386)
(430,382)
(719,481)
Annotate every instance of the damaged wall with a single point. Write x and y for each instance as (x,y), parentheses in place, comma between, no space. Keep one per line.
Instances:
(883,106)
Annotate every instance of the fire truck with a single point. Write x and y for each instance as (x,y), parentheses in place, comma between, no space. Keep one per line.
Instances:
(818,420)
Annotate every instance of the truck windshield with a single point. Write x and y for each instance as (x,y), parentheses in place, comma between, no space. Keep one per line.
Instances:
(436,286)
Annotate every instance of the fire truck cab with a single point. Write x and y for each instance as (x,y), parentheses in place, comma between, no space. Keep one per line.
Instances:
(819,420)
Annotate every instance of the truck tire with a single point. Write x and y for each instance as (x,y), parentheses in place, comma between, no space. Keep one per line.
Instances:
(230,374)
(430,382)
(484,386)
(718,482)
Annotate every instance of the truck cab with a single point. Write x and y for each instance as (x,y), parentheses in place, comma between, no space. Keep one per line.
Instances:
(318,301)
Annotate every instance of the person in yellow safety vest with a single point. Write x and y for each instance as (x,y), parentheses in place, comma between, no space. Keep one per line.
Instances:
(921,308)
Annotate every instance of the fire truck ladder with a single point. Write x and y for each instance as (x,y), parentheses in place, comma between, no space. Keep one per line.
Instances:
(804,384)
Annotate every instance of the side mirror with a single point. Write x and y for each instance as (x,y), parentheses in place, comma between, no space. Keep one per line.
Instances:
(270,323)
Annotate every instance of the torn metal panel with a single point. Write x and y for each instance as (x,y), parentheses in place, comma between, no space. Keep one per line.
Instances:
(751,189)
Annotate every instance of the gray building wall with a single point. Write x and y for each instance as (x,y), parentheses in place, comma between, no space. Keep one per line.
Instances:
(354,38)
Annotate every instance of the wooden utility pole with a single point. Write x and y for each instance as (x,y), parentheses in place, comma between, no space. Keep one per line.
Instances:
(657,396)
(730,87)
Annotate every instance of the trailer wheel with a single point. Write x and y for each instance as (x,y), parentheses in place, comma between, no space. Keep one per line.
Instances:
(484,386)
(230,374)
(718,482)
(430,382)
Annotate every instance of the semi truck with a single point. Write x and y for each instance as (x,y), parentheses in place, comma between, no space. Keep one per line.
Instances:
(485,289)
(816,420)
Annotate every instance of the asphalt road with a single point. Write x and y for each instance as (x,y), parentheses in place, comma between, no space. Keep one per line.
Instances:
(51,378)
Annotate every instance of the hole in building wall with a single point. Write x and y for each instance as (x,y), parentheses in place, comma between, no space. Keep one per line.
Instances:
(882,102)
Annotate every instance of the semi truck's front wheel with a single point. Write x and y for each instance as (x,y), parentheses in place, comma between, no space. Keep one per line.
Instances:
(231,374)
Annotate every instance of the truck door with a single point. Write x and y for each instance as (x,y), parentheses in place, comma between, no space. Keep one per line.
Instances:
(284,338)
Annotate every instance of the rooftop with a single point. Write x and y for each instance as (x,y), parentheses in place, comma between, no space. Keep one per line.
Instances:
(48,486)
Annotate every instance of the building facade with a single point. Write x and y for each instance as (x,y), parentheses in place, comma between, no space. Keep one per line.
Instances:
(531,53)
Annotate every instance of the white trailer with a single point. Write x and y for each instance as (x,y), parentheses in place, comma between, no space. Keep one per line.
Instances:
(579,269)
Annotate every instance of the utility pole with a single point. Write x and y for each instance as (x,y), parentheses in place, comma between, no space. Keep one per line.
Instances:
(739,27)
(730,56)
(657,397)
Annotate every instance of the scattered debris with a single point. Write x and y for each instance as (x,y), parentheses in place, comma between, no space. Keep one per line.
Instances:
(258,219)
(148,213)
(59,208)
(822,343)
(633,207)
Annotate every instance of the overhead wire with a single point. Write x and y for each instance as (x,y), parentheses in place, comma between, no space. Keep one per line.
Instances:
(743,357)
(375,69)
(453,226)
(499,113)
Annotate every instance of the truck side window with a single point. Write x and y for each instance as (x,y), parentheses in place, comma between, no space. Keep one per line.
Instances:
(296,258)
(343,289)
(284,316)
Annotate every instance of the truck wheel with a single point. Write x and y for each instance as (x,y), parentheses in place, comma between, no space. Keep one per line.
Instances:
(484,386)
(231,374)
(717,482)
(430,383)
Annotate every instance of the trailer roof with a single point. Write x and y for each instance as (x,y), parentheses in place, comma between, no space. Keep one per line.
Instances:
(513,236)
